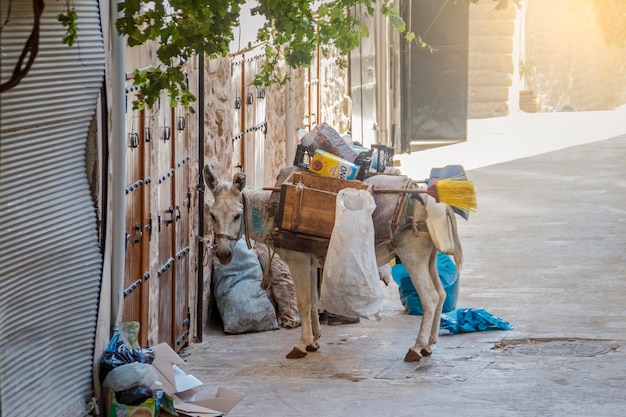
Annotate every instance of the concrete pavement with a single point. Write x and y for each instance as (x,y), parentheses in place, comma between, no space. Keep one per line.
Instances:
(546,251)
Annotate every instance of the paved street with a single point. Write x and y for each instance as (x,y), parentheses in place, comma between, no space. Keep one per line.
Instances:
(546,251)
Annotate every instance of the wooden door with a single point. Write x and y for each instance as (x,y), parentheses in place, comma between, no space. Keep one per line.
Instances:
(182,214)
(136,288)
(173,210)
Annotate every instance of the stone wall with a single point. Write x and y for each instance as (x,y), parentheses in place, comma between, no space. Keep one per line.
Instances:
(336,108)
(560,42)
(218,115)
(335,111)
(218,154)
(573,65)
(491,59)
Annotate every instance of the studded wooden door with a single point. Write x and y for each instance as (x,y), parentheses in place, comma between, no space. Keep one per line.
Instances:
(157,223)
(172,225)
(138,227)
(182,213)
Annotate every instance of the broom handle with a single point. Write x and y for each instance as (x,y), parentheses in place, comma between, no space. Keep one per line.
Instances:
(376,190)
(400,190)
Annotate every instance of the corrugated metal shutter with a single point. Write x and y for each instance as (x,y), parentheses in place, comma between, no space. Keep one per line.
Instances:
(50,262)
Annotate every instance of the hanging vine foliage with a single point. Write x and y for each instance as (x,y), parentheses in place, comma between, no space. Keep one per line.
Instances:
(292,32)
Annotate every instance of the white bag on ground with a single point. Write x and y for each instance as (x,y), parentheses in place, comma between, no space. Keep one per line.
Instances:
(350,282)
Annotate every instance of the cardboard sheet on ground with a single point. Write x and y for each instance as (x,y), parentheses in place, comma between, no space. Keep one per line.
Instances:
(180,386)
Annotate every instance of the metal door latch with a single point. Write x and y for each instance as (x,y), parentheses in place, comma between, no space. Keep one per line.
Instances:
(138,234)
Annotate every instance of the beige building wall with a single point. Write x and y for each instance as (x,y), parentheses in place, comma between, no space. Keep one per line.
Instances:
(557,46)
(573,66)
(491,59)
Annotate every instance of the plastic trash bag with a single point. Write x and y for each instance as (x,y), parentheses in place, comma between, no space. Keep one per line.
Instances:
(466,320)
(130,375)
(448,275)
(350,283)
(134,395)
(117,354)
(243,306)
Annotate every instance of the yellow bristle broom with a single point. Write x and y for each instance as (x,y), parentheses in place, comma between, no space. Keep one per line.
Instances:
(455,191)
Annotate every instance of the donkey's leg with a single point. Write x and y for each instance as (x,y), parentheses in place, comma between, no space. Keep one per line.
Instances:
(434,276)
(416,252)
(315,319)
(300,268)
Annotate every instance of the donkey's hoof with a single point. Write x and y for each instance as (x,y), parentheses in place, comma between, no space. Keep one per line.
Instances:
(426,352)
(312,348)
(412,356)
(296,354)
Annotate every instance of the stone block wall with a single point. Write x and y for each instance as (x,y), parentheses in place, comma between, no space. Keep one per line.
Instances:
(573,65)
(218,116)
(334,111)
(491,60)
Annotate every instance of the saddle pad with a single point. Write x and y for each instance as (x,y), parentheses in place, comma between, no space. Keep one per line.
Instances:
(388,205)
(255,219)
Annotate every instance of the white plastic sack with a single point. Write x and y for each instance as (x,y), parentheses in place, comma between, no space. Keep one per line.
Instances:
(350,283)
(130,375)
(243,305)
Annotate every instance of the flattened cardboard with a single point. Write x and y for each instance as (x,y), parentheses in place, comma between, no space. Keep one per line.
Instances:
(222,403)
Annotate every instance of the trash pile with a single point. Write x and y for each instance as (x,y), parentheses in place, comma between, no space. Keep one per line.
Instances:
(317,204)
(140,382)
(338,207)
(127,374)
(325,152)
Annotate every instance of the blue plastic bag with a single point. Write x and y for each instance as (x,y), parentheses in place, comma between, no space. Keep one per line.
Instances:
(466,320)
(449,279)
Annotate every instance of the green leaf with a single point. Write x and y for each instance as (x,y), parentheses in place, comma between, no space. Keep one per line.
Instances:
(398,23)
(69,21)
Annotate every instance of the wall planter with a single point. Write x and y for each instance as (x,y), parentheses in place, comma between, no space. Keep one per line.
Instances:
(528,101)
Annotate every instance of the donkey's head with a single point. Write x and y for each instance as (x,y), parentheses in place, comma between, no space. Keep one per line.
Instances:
(226,213)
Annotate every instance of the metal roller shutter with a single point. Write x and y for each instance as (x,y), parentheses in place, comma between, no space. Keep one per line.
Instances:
(50,261)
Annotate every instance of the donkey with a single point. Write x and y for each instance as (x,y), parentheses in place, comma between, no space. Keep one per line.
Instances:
(411,242)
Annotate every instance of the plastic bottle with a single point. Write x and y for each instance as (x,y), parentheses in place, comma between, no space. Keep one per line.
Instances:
(301,132)
(329,165)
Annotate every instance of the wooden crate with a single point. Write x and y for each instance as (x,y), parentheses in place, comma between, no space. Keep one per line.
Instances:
(307,203)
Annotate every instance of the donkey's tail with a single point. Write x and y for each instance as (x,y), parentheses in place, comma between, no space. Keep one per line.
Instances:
(457,253)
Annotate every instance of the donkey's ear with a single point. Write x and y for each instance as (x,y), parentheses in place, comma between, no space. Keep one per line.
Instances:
(239,182)
(209,178)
